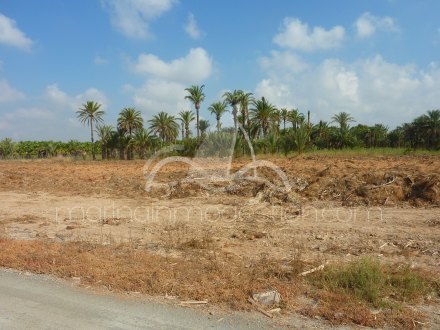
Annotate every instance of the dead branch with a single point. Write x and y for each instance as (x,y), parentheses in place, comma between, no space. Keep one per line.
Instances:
(383,185)
(258,308)
(321,267)
(194,302)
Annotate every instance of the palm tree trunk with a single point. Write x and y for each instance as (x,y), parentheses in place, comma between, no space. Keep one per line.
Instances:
(197,123)
(129,147)
(91,134)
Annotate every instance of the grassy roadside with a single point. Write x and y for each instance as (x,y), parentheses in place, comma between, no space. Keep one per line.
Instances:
(363,292)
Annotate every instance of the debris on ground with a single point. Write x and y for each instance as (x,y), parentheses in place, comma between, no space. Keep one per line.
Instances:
(268,298)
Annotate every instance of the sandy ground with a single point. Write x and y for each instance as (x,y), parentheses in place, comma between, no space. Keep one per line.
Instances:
(339,208)
(246,230)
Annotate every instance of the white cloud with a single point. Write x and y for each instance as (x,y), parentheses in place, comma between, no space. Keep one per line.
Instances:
(284,63)
(195,67)
(372,90)
(11,35)
(367,25)
(50,116)
(161,95)
(31,113)
(164,88)
(8,93)
(132,17)
(297,35)
(54,95)
(101,60)
(191,27)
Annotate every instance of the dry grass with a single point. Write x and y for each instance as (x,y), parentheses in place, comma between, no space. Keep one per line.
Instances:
(342,295)
(218,278)
(339,308)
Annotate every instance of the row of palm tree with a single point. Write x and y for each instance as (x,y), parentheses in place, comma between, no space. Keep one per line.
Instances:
(421,133)
(259,118)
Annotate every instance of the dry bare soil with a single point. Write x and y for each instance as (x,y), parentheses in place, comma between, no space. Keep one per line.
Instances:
(222,241)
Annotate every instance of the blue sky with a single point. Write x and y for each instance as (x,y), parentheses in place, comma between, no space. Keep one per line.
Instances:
(377,59)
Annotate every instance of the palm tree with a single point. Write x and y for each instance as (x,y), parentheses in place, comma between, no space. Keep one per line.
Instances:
(196,96)
(275,121)
(89,114)
(204,124)
(262,114)
(378,135)
(234,99)
(165,126)
(186,117)
(218,109)
(343,119)
(343,137)
(141,141)
(295,117)
(246,99)
(105,135)
(130,120)
(320,134)
(301,137)
(432,119)
(284,114)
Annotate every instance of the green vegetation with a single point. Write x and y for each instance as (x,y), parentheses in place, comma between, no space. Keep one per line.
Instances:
(196,96)
(369,281)
(270,130)
(90,114)
(218,109)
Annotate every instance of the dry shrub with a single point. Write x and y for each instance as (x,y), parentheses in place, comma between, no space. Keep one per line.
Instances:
(426,188)
(339,308)
(345,293)
(226,280)
(219,278)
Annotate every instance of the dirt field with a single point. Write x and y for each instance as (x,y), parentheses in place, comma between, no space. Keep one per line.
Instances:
(339,209)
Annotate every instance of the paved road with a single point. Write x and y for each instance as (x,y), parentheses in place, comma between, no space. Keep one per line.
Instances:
(40,302)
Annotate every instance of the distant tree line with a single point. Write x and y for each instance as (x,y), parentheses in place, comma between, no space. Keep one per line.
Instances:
(269,129)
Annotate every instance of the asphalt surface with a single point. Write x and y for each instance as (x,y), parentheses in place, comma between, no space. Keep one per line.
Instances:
(42,302)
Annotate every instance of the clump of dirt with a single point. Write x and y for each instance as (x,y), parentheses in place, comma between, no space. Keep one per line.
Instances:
(349,181)
(262,190)
(426,188)
(380,188)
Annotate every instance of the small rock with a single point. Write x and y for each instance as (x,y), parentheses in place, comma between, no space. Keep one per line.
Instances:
(267,298)
(76,280)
